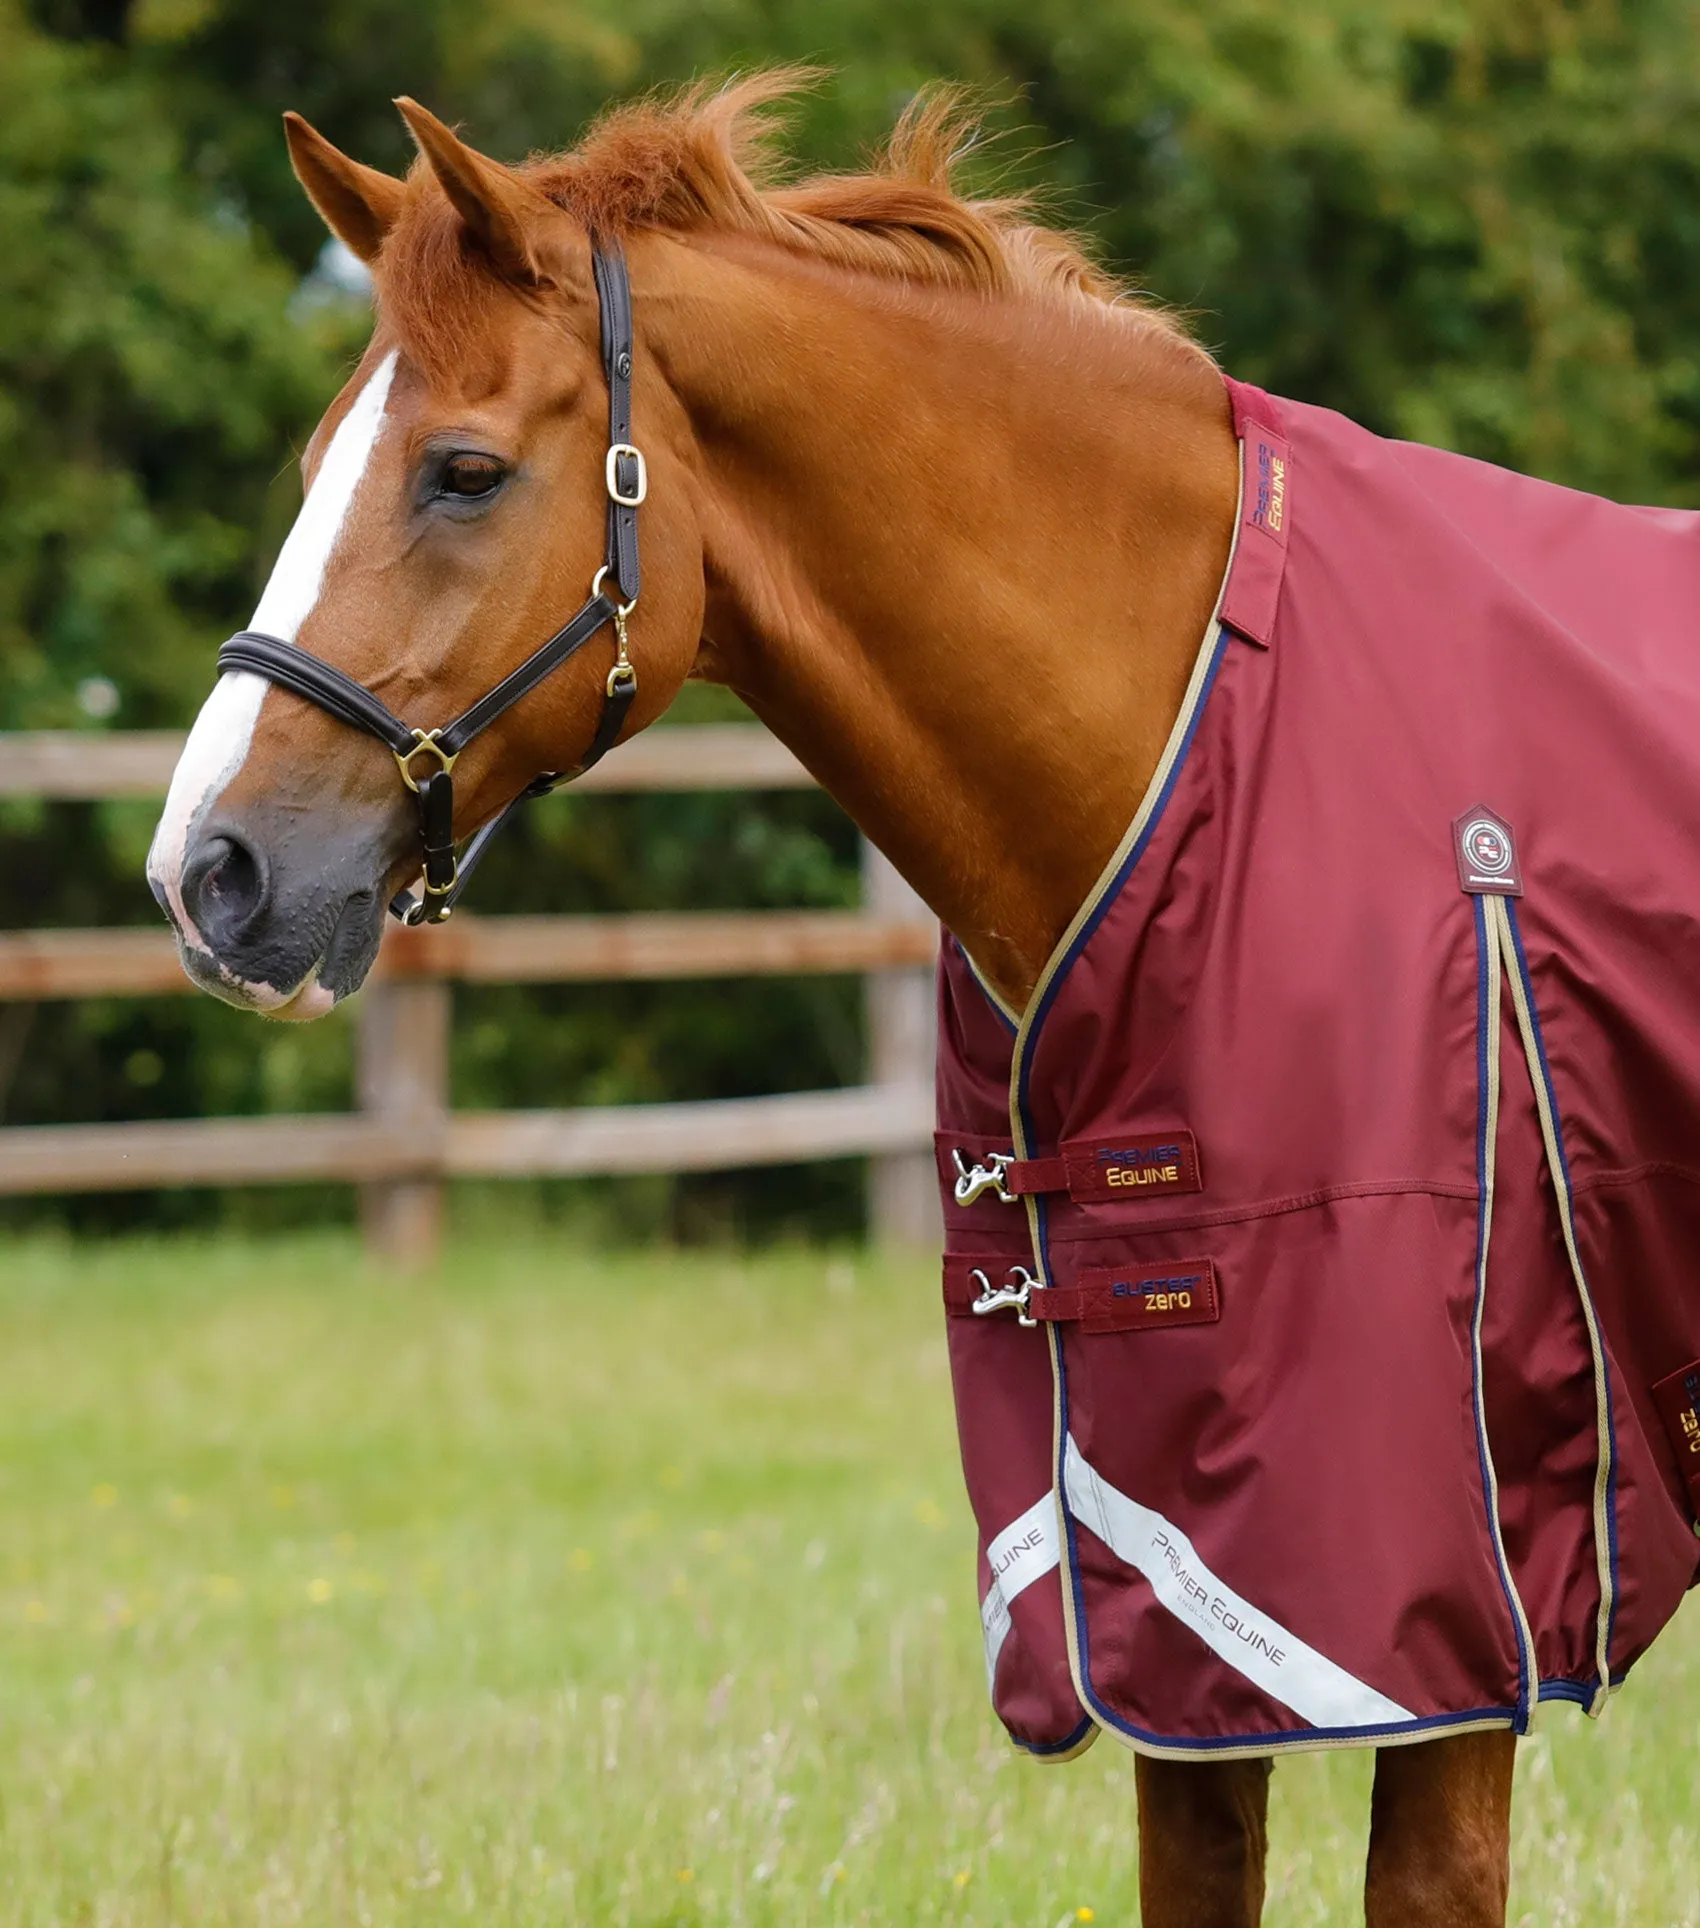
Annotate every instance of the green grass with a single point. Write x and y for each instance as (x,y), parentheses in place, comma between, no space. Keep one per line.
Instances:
(582,1589)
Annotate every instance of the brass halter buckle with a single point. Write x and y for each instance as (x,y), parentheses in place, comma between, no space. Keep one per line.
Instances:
(424,743)
(622,678)
(430,907)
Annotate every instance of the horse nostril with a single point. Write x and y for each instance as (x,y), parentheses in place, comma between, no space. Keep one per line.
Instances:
(224,889)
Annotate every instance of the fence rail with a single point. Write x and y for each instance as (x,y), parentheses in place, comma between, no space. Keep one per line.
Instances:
(504,950)
(88,765)
(405,1140)
(590,1140)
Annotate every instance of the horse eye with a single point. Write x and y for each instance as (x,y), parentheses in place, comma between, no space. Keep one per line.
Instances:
(470,475)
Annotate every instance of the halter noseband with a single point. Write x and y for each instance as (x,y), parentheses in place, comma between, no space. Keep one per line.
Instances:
(339,695)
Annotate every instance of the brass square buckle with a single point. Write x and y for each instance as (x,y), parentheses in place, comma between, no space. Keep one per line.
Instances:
(424,743)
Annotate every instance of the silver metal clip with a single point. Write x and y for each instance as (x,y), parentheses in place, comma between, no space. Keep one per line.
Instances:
(1013,1294)
(972,1181)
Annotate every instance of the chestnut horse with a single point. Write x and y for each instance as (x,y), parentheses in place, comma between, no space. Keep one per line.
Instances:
(941,505)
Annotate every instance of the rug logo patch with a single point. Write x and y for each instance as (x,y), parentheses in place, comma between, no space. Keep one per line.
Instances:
(1135,1298)
(1153,1165)
(1269,493)
(1678,1401)
(1486,849)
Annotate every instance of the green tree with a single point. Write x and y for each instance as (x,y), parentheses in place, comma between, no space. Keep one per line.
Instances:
(151,386)
(1472,221)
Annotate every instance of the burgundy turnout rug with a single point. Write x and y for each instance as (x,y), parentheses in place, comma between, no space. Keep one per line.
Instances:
(1323,1242)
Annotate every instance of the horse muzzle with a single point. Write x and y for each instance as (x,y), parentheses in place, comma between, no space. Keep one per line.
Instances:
(278,912)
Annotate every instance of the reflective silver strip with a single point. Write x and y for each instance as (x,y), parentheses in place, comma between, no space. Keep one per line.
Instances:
(1025,1551)
(1233,1629)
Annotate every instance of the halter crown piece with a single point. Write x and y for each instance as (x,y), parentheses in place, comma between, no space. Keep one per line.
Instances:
(339,695)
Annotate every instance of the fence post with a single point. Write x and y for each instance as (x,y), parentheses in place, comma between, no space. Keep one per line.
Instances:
(402,1058)
(903,1202)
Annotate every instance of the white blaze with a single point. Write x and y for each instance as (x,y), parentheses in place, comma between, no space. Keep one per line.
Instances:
(219,742)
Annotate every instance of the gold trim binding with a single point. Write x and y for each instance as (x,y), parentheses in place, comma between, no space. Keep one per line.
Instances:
(1106,877)
(1604,1450)
(1490,1130)
(1007,1011)
(1067,1754)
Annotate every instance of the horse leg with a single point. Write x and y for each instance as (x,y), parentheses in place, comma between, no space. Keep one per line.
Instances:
(1201,1842)
(1440,1834)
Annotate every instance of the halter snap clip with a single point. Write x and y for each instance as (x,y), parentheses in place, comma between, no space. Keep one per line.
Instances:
(622,678)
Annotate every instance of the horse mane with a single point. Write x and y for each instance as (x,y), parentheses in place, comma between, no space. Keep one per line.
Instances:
(707,158)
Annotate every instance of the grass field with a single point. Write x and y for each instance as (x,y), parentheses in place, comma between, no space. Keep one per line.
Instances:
(584,1589)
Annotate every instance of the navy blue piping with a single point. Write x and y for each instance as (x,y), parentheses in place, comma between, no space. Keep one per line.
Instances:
(1106,1716)
(1580,1693)
(1113,890)
(1039,1749)
(992,1005)
(1487,1040)
(1081,938)
(1281,1737)
(1564,1164)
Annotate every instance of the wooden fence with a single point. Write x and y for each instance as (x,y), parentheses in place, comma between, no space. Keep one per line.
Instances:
(405,1139)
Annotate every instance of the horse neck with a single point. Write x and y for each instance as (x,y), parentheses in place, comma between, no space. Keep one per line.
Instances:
(960,554)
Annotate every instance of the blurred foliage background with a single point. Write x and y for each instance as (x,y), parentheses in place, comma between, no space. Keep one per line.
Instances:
(1475,223)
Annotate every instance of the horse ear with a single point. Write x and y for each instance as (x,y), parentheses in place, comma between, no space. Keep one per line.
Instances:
(496,205)
(357,204)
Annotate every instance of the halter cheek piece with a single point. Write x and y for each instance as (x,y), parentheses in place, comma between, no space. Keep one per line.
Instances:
(426,758)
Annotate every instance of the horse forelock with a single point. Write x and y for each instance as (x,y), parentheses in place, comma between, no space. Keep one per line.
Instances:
(708,159)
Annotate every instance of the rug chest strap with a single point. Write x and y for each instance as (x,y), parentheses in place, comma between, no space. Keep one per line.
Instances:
(1007,1177)
(1135,1297)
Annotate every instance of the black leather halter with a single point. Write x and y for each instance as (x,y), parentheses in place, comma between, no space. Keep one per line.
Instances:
(337,693)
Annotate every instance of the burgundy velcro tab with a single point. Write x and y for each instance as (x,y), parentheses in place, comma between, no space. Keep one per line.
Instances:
(1149,1164)
(1134,1298)
(1252,594)
(1678,1401)
(1028,1177)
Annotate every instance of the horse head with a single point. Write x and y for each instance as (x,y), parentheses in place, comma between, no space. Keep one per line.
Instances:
(456,514)
(944,508)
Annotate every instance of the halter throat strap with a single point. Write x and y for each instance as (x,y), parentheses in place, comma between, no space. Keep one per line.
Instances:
(426,758)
